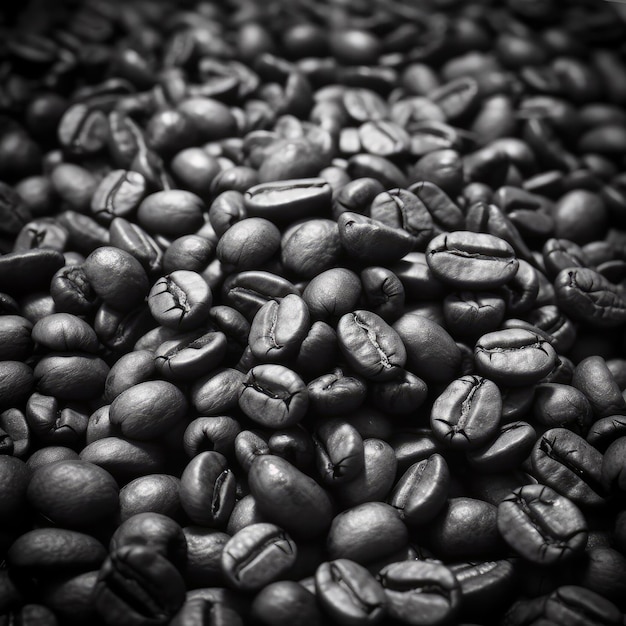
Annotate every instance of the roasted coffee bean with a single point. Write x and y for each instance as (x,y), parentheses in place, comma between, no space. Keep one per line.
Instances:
(257,555)
(594,379)
(383,292)
(187,358)
(278,329)
(137,585)
(336,393)
(472,314)
(47,552)
(349,593)
(507,450)
(29,271)
(558,405)
(578,605)
(51,423)
(542,525)
(472,261)
(72,292)
(309,247)
(371,347)
(63,332)
(155,493)
(273,396)
(375,480)
(332,293)
(248,244)
(125,460)
(148,409)
(588,297)
(117,277)
(366,532)
(422,490)
(285,602)
(71,376)
(366,239)
(157,531)
(180,300)
(448,533)
(564,461)
(133,239)
(248,291)
(118,195)
(288,497)
(288,200)
(514,356)
(466,415)
(171,213)
(73,493)
(207,491)
(421,592)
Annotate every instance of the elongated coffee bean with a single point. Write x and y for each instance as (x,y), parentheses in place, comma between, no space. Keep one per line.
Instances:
(473,261)
(514,356)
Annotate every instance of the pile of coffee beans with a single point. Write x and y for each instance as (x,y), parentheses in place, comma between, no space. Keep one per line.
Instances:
(312,313)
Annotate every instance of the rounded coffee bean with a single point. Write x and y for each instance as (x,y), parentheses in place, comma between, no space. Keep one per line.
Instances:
(257,555)
(136,567)
(421,593)
(541,525)
(371,347)
(180,300)
(349,593)
(284,603)
(332,293)
(129,370)
(148,410)
(310,247)
(470,314)
(217,392)
(466,415)
(73,493)
(288,497)
(366,532)
(473,261)
(172,213)
(274,396)
(248,244)
(154,493)
(207,491)
(466,528)
(514,356)
(117,277)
